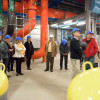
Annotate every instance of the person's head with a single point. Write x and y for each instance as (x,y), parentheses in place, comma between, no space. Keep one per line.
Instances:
(28,38)
(64,42)
(7,38)
(10,42)
(0,35)
(76,32)
(89,35)
(51,37)
(18,40)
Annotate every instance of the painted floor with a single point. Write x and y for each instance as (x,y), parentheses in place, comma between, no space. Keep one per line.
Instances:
(39,85)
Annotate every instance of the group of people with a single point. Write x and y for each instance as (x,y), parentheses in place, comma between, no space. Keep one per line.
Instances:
(84,50)
(17,52)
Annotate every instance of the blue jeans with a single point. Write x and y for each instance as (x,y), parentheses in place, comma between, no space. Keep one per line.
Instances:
(90,59)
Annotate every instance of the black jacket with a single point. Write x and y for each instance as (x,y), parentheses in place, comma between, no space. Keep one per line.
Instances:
(29,49)
(75,49)
(63,48)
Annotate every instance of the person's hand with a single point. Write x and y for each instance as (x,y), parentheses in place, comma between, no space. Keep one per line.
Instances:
(66,53)
(10,50)
(63,54)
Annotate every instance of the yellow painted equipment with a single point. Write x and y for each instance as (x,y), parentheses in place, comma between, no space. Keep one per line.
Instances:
(86,85)
(3,81)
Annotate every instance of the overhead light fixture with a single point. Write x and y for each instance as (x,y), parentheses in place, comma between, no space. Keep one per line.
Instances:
(65,27)
(81,23)
(53,25)
(67,22)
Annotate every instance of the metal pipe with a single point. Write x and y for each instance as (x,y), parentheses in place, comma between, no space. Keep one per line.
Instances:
(44,31)
(88,15)
(32,16)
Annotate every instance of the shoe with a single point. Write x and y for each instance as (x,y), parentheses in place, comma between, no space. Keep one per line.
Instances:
(8,76)
(21,74)
(17,74)
(12,70)
(51,70)
(29,69)
(60,68)
(46,70)
(66,68)
(9,70)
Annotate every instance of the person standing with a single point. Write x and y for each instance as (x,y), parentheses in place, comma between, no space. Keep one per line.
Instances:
(29,51)
(19,55)
(91,49)
(11,59)
(50,52)
(63,53)
(5,51)
(75,51)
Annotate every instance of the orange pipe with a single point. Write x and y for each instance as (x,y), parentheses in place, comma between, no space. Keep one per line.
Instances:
(31,19)
(44,31)
(52,13)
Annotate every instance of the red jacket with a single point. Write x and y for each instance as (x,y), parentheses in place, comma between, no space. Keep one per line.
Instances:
(91,49)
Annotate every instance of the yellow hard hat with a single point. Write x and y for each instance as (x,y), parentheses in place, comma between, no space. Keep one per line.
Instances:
(3,81)
(86,85)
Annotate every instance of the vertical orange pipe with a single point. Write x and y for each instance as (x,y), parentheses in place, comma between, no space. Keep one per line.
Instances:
(44,31)
(44,23)
(31,19)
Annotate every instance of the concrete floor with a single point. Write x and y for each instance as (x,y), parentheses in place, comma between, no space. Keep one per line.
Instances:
(39,85)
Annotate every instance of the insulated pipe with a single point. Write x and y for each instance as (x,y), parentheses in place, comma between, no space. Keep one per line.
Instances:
(44,31)
(52,13)
(31,19)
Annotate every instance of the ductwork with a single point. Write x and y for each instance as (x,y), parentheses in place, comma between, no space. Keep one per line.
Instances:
(31,19)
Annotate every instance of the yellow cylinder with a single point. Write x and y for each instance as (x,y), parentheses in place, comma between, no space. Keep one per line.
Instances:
(3,81)
(86,85)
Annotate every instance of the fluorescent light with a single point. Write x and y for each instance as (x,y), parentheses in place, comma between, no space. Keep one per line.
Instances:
(65,27)
(67,22)
(53,25)
(81,23)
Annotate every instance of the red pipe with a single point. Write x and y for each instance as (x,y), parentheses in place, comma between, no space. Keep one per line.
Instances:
(31,19)
(44,30)
(52,13)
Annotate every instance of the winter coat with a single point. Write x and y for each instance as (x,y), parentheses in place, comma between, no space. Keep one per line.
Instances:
(5,53)
(19,51)
(75,49)
(63,49)
(53,48)
(91,49)
(29,49)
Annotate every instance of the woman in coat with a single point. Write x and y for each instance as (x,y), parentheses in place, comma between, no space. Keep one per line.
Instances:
(19,55)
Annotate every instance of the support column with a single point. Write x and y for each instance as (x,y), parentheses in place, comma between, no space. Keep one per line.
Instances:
(44,24)
(88,14)
(94,26)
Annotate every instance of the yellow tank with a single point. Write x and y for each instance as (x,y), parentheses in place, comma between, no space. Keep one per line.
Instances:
(86,85)
(3,81)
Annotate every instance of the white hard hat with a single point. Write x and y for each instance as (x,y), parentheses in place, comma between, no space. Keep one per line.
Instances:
(51,36)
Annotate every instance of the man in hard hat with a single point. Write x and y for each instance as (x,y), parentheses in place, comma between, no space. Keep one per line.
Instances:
(50,52)
(91,49)
(5,51)
(29,51)
(63,54)
(75,51)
